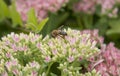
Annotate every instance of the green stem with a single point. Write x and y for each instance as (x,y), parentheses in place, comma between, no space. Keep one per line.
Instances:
(91,21)
(48,70)
(87,20)
(79,23)
(62,73)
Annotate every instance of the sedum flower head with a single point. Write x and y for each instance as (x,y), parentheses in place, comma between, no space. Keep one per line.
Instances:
(108,61)
(107,7)
(42,7)
(86,6)
(23,54)
(94,35)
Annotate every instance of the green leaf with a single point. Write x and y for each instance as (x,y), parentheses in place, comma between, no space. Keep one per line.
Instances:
(113,33)
(102,27)
(32,20)
(4,9)
(41,24)
(87,20)
(16,19)
(114,23)
(52,74)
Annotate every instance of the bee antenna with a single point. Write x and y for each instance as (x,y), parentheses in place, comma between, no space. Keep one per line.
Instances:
(61,27)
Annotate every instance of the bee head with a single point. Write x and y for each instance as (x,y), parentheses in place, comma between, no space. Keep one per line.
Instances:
(63,33)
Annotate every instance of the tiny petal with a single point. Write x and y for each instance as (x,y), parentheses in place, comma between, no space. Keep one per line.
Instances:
(70,59)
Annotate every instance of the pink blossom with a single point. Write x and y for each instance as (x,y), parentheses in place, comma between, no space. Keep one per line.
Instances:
(9,64)
(94,35)
(80,58)
(84,40)
(42,7)
(14,47)
(34,73)
(8,54)
(7,42)
(102,68)
(33,64)
(50,43)
(15,72)
(72,41)
(108,61)
(23,48)
(33,39)
(91,59)
(54,52)
(16,38)
(87,6)
(73,50)
(38,45)
(4,74)
(70,59)
(47,59)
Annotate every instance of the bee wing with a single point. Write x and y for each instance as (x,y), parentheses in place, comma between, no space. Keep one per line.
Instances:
(60,27)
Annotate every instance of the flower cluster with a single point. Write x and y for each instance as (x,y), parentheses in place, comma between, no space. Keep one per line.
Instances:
(32,55)
(108,7)
(94,35)
(108,61)
(42,7)
(89,6)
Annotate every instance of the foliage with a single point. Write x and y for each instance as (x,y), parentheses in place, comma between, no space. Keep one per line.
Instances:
(32,22)
(4,10)
(16,19)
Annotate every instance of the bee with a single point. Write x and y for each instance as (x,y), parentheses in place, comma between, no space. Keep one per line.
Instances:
(58,33)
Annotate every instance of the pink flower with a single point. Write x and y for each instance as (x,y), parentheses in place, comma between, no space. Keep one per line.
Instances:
(86,6)
(4,74)
(10,64)
(47,59)
(34,73)
(80,58)
(42,7)
(54,52)
(89,6)
(38,45)
(94,35)
(91,59)
(102,68)
(16,38)
(113,69)
(70,59)
(33,64)
(8,55)
(108,61)
(7,42)
(23,48)
(14,47)
(15,72)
